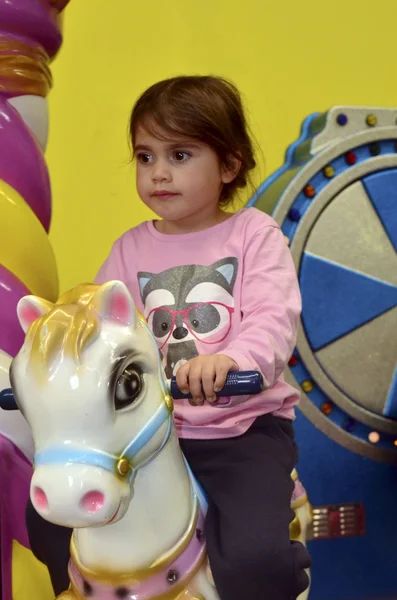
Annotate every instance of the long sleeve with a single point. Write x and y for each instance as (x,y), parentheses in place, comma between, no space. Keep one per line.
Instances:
(110,270)
(270,306)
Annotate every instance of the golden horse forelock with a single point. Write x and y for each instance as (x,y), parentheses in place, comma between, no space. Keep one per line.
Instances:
(70,325)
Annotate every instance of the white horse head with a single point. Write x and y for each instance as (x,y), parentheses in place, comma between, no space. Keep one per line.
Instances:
(88,380)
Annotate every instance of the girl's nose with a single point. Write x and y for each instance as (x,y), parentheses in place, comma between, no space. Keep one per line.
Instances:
(161,172)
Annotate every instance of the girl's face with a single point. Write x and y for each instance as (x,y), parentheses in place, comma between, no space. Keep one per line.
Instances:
(180,180)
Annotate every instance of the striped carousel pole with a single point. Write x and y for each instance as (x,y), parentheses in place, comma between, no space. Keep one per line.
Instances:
(30,37)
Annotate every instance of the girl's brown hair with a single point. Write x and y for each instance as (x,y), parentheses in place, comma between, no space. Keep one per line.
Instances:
(205,108)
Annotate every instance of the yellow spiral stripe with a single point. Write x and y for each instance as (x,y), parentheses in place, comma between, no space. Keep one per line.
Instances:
(25,249)
(29,577)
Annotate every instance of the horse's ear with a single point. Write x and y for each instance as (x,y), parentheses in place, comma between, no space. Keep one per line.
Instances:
(31,308)
(114,303)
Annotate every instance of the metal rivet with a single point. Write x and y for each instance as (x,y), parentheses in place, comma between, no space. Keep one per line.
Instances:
(309,191)
(172,576)
(294,214)
(350,158)
(374,437)
(374,149)
(329,172)
(122,592)
(87,589)
(371,120)
(349,425)
(327,408)
(123,467)
(307,385)
(169,402)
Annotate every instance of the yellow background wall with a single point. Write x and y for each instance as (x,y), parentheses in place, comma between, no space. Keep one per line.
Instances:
(288,58)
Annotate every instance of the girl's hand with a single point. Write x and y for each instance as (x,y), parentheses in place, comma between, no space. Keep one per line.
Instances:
(204,373)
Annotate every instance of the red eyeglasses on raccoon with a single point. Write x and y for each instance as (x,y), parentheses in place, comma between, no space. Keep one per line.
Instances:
(208,322)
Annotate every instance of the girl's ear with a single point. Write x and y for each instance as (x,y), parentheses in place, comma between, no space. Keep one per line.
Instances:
(231,169)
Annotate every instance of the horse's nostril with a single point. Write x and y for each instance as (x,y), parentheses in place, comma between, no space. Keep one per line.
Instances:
(40,499)
(92,501)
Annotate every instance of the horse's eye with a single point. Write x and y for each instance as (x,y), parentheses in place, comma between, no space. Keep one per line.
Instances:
(128,387)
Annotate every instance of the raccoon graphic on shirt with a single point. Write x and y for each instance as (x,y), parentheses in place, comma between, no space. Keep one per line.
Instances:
(189,306)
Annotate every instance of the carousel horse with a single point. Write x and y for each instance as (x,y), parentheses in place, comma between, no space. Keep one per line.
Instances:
(89,381)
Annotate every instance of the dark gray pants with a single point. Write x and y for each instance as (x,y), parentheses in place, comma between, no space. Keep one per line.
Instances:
(247,480)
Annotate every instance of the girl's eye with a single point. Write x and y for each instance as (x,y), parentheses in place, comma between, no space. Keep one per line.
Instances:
(180,156)
(145,158)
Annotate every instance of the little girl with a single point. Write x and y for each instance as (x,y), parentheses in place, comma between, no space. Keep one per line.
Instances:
(220,293)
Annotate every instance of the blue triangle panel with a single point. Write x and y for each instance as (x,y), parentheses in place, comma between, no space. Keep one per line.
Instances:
(391,402)
(381,188)
(337,300)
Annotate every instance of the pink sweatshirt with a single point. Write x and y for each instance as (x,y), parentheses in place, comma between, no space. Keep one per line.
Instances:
(230,289)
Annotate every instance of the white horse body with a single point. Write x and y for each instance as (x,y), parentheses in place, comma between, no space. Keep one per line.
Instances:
(108,463)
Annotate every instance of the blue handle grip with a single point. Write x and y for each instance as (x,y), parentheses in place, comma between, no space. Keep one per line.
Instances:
(238,383)
(7,400)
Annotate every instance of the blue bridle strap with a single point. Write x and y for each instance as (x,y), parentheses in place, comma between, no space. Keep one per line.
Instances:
(146,434)
(66,455)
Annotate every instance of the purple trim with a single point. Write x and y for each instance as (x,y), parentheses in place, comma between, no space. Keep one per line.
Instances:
(299,490)
(180,570)
(34,19)
(11,291)
(15,476)
(22,163)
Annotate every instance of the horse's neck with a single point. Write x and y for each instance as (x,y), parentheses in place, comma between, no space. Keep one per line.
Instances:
(158,516)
